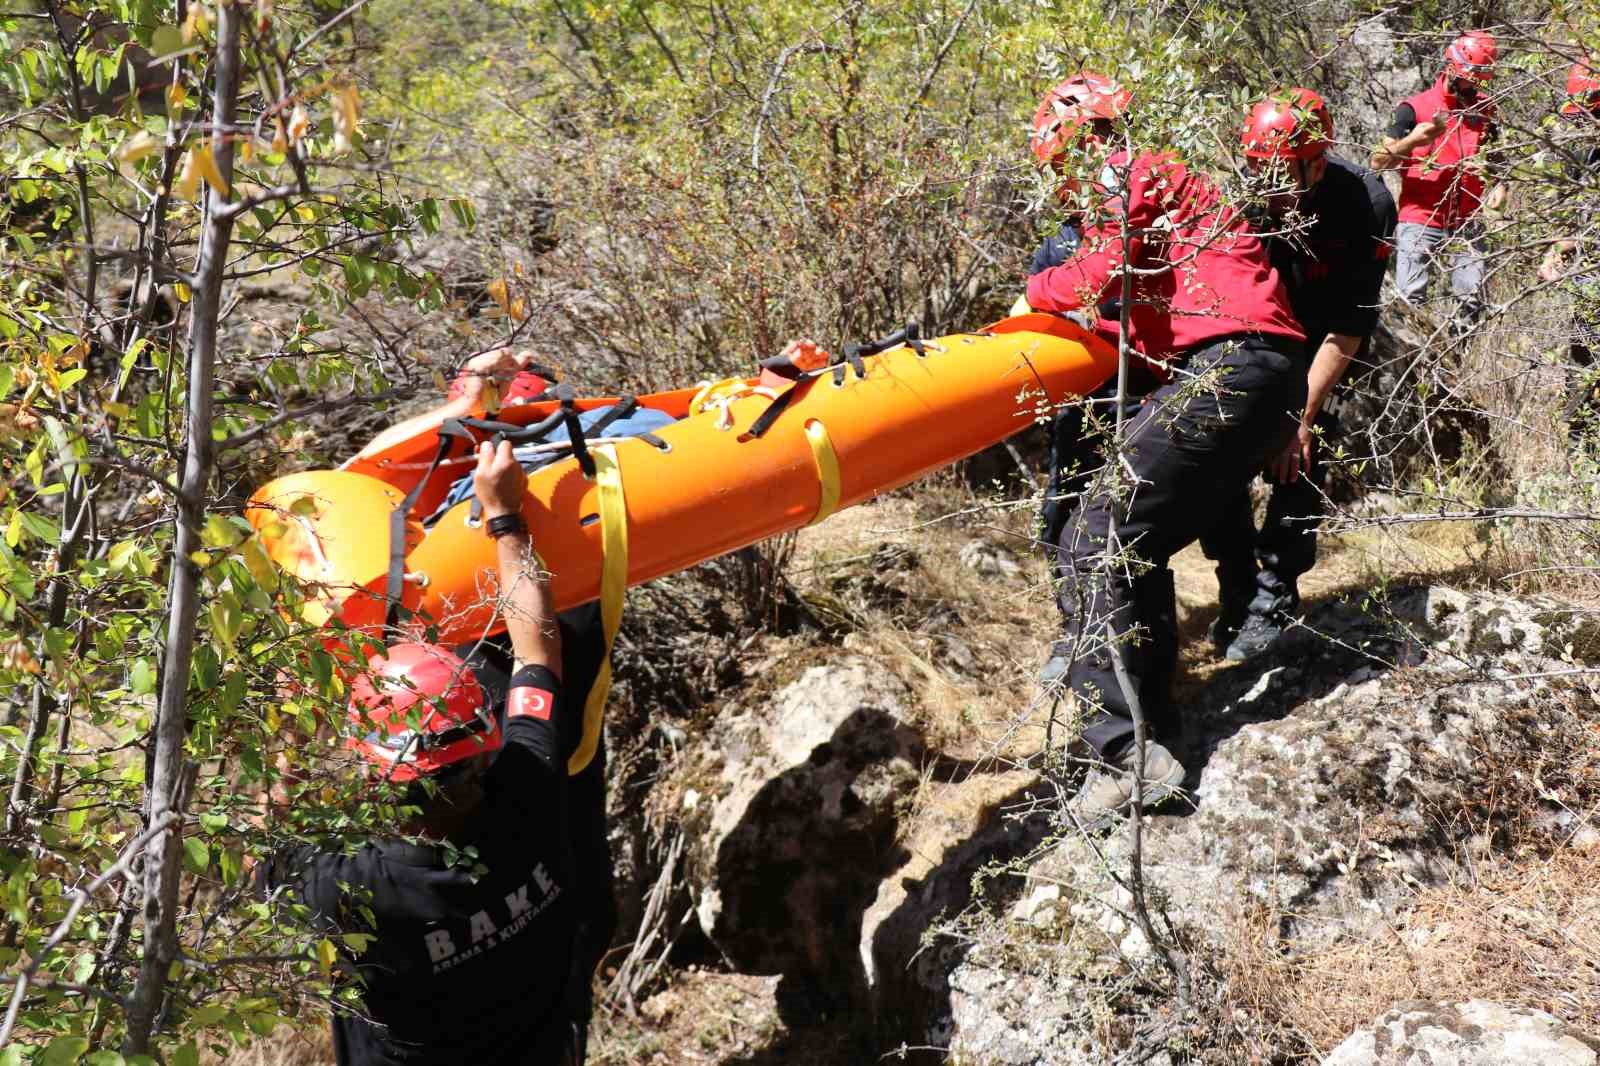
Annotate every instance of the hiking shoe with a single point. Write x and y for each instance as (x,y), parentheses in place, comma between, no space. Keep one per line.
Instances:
(1225,627)
(1108,792)
(1054,671)
(1262,627)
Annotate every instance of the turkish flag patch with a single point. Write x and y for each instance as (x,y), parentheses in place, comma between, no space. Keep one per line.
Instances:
(530,702)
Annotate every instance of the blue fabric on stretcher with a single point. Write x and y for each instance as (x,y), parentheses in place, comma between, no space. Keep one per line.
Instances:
(642,421)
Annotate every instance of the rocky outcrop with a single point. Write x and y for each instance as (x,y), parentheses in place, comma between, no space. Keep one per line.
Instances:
(1474,1033)
(800,819)
(1321,802)
(828,842)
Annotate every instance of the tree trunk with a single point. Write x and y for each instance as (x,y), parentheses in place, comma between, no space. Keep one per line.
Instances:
(165,786)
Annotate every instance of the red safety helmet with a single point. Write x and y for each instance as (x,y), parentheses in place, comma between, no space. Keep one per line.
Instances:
(1291,125)
(1068,109)
(1472,56)
(1583,90)
(417,710)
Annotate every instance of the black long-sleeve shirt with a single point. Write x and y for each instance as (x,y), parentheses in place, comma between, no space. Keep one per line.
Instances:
(461,968)
(1334,270)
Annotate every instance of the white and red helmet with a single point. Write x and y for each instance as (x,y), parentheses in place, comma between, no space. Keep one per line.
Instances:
(417,710)
(1291,125)
(1471,56)
(1067,112)
(1583,90)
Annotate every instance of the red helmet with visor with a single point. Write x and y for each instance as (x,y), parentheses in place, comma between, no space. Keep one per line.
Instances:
(1292,125)
(1068,111)
(1583,90)
(1471,56)
(418,710)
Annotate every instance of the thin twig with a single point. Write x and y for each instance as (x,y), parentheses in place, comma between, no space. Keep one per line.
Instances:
(80,896)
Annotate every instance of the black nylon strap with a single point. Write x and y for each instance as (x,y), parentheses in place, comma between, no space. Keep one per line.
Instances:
(777,407)
(394,588)
(569,413)
(625,407)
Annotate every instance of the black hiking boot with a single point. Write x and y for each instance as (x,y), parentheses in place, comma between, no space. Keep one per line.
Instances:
(1269,614)
(1231,614)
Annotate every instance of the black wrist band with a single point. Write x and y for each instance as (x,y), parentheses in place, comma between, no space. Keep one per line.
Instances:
(502,524)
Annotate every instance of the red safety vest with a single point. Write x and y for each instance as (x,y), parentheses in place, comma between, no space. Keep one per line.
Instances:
(1436,189)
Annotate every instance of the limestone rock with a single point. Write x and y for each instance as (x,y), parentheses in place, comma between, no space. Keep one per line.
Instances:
(989,560)
(961,826)
(803,823)
(1474,1033)
(1317,797)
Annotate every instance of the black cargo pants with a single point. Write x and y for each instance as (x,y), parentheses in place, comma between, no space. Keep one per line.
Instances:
(1077,448)
(1273,558)
(1193,445)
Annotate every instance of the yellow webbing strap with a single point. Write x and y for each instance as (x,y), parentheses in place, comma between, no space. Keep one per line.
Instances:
(613,588)
(827,461)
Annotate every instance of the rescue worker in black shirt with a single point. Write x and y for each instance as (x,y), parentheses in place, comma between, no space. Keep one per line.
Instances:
(1333,270)
(1581,110)
(470,960)
(503,377)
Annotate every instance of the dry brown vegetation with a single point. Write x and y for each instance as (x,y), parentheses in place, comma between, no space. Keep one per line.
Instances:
(1521,927)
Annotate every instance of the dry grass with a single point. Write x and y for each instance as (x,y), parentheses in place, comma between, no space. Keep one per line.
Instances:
(1520,933)
(1520,926)
(312,1046)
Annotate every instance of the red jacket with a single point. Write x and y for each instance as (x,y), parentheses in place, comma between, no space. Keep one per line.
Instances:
(1436,189)
(1221,282)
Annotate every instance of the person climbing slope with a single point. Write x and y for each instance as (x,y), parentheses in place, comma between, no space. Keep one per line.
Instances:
(1333,267)
(1210,320)
(1439,140)
(1091,99)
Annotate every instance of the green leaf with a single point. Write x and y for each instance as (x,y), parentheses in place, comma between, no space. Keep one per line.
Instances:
(39,526)
(142,677)
(220,533)
(260,565)
(428,215)
(11,1056)
(226,618)
(233,689)
(166,40)
(210,1014)
(187,1055)
(105,1058)
(122,554)
(130,359)
(63,1051)
(196,855)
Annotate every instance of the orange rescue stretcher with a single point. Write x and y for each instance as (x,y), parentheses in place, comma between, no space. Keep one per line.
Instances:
(744,460)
